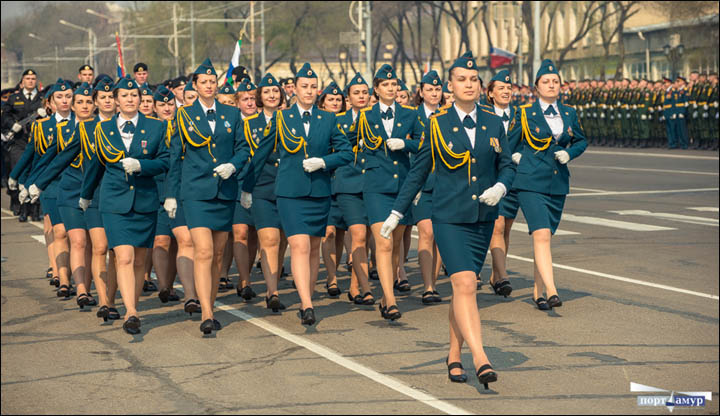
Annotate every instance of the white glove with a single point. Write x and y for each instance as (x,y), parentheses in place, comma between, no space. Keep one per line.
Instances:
(41,112)
(23,195)
(170,207)
(12,184)
(562,156)
(33,193)
(130,165)
(417,198)
(84,203)
(313,164)
(395,144)
(361,143)
(516,157)
(246,200)
(225,170)
(493,194)
(389,225)
(16,127)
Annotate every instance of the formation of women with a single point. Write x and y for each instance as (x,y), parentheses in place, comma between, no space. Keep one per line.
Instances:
(129,180)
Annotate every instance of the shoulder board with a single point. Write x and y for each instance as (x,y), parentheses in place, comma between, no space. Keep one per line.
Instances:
(439,113)
(409,107)
(42,120)
(105,121)
(341,114)
(153,118)
(252,116)
(367,108)
(186,106)
(488,111)
(484,106)
(445,107)
(526,105)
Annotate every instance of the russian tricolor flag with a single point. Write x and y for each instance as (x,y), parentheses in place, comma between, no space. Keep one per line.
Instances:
(500,57)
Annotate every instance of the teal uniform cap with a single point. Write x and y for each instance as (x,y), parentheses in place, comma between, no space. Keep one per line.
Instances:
(546,67)
(84,89)
(163,94)
(246,85)
(466,61)
(145,89)
(206,67)
(356,80)
(61,85)
(445,88)
(502,76)
(104,84)
(431,78)
(306,72)
(188,87)
(126,83)
(402,85)
(268,81)
(226,89)
(385,72)
(333,89)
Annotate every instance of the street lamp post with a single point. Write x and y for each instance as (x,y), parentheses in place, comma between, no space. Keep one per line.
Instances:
(91,35)
(674,54)
(111,20)
(57,57)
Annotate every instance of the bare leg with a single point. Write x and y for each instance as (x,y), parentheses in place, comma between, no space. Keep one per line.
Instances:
(185,264)
(219,241)
(112,283)
(358,234)
(227,257)
(269,251)
(314,261)
(130,275)
(242,254)
(426,251)
(78,242)
(62,253)
(300,249)
(467,317)
(50,243)
(498,248)
(161,261)
(543,259)
(329,254)
(386,262)
(456,342)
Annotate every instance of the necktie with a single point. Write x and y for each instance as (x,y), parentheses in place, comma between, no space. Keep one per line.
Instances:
(306,117)
(63,120)
(388,115)
(211,115)
(129,127)
(505,117)
(550,111)
(29,96)
(468,122)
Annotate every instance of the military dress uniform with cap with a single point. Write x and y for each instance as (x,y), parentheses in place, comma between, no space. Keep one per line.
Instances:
(163,94)
(384,170)
(422,210)
(226,89)
(208,142)
(303,198)
(129,201)
(347,181)
(469,153)
(541,132)
(67,165)
(335,218)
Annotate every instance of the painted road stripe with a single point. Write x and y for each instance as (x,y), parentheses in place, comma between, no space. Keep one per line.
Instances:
(603,152)
(686,172)
(587,189)
(623,225)
(661,191)
(38,224)
(40,238)
(8,218)
(622,279)
(673,217)
(520,226)
(704,209)
(351,365)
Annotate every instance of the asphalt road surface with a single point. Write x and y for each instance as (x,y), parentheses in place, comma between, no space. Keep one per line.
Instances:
(636,263)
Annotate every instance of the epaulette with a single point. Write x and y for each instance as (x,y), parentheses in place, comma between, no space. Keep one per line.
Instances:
(105,121)
(438,113)
(186,106)
(489,112)
(526,105)
(153,118)
(484,106)
(366,108)
(341,114)
(445,107)
(409,107)
(252,116)
(42,120)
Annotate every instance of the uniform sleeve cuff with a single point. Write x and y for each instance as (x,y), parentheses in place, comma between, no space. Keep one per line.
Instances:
(502,185)
(399,215)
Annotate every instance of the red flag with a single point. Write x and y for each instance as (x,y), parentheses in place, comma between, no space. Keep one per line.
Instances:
(500,57)
(120,65)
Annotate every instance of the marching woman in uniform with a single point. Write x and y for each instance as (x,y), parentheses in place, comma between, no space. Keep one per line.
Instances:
(347,187)
(213,152)
(47,132)
(67,167)
(333,100)
(103,270)
(268,97)
(499,95)
(465,146)
(546,135)
(386,132)
(310,144)
(131,150)
(146,100)
(428,99)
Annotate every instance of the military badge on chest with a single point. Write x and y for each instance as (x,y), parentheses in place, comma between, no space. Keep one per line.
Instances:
(143,143)
(495,143)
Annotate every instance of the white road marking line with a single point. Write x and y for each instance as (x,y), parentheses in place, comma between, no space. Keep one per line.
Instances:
(8,218)
(587,189)
(351,365)
(673,217)
(39,238)
(38,224)
(623,225)
(601,152)
(667,191)
(704,209)
(686,172)
(622,279)
(521,226)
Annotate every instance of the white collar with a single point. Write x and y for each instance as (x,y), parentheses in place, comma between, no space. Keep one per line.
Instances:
(428,112)
(499,111)
(462,114)
(31,92)
(59,118)
(383,107)
(122,120)
(205,109)
(301,110)
(544,106)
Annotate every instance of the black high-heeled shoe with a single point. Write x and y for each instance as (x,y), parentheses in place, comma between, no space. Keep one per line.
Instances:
(246,292)
(390,315)
(485,378)
(366,301)
(273,302)
(91,300)
(63,291)
(207,326)
(351,298)
(216,325)
(402,286)
(542,304)
(554,301)
(373,275)
(192,306)
(132,325)
(436,297)
(308,316)
(73,292)
(427,298)
(113,314)
(462,378)
(149,286)
(502,288)
(332,290)
(103,313)
(48,273)
(55,281)
(83,300)
(223,285)
(164,295)
(173,296)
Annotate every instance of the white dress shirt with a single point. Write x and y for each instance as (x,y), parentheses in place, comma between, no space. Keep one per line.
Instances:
(499,111)
(555,122)
(428,112)
(205,110)
(32,93)
(473,115)
(354,115)
(388,124)
(305,124)
(126,137)
(59,118)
